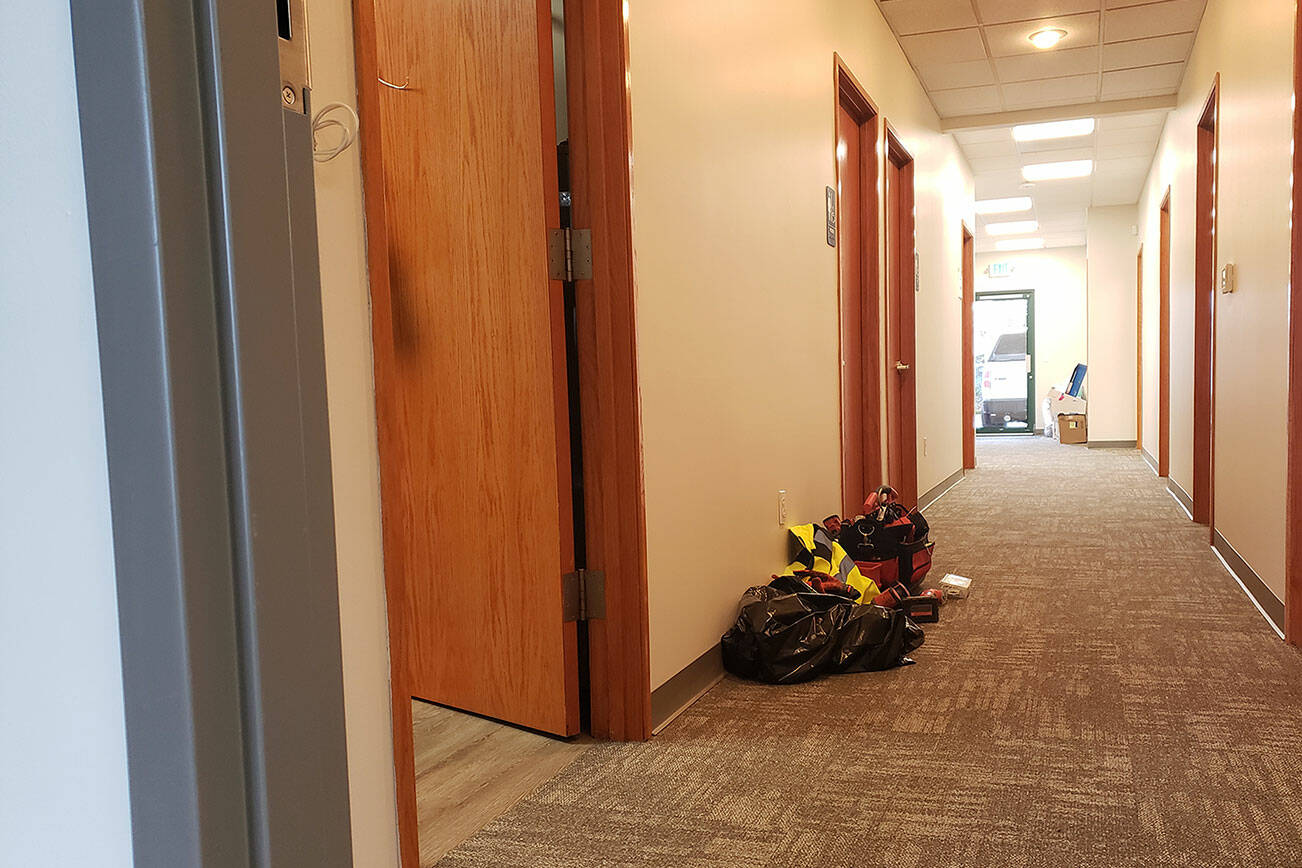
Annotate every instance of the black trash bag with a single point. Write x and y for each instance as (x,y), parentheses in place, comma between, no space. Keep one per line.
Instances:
(785,633)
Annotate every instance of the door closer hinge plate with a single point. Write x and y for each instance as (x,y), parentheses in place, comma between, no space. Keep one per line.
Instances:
(569,254)
(583,595)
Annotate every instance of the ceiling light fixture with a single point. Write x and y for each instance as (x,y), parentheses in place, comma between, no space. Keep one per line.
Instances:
(1053,130)
(1058,171)
(1047,38)
(1016,227)
(1004,206)
(1020,244)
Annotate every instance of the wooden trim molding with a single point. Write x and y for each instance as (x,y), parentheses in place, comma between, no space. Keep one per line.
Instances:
(1139,348)
(1204,343)
(596,51)
(968,372)
(1164,339)
(1293,509)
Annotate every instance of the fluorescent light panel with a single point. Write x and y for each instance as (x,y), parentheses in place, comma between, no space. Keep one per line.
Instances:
(1015,227)
(1004,206)
(1058,171)
(1020,244)
(1053,130)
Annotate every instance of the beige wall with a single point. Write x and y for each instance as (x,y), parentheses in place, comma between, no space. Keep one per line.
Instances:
(1058,277)
(345,302)
(733,108)
(1250,45)
(1110,274)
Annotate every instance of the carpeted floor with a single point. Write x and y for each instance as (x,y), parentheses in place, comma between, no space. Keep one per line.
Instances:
(1107,697)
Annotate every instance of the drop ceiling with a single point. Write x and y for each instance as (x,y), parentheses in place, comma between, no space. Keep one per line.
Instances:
(1119,61)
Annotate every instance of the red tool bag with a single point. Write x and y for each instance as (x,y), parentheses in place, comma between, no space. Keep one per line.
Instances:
(910,566)
(889,543)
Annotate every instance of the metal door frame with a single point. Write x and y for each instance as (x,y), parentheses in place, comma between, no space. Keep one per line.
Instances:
(1029,295)
(208,308)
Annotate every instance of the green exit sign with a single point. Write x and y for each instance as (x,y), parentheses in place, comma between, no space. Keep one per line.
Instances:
(999,269)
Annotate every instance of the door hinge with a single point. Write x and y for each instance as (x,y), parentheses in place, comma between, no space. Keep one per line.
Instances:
(583,595)
(569,254)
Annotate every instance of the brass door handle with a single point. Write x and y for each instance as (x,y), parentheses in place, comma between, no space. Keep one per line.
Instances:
(901,367)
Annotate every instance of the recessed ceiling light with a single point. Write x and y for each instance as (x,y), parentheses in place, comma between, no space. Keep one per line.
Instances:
(1058,171)
(1015,227)
(1020,244)
(1004,206)
(1053,130)
(1047,38)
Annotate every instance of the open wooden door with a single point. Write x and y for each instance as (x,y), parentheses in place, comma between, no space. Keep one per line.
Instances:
(470,364)
(901,340)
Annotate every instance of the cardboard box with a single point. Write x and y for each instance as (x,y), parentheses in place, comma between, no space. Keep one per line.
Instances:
(1071,428)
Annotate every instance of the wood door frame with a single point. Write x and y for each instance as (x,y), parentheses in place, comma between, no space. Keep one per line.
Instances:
(902,320)
(1293,509)
(1204,344)
(969,373)
(1139,349)
(851,95)
(600,150)
(1164,338)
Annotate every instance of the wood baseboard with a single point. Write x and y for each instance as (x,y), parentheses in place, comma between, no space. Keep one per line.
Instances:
(680,692)
(936,492)
(1270,605)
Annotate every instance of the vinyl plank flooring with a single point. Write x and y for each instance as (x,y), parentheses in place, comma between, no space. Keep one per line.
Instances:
(470,770)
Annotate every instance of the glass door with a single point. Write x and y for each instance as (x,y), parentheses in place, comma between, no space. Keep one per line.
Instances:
(1003,356)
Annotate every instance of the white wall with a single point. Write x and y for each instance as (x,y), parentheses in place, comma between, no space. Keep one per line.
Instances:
(1057,276)
(63,765)
(1110,250)
(1250,45)
(346,314)
(733,107)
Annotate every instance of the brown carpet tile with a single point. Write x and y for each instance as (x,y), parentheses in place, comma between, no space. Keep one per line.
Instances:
(1106,697)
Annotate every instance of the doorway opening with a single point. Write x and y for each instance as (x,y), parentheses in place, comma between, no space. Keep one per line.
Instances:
(1003,363)
(901,339)
(1164,338)
(966,356)
(1204,365)
(859,281)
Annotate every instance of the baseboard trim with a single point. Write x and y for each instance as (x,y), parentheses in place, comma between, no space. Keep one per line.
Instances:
(1270,606)
(1149,460)
(680,692)
(1110,444)
(939,491)
(1181,496)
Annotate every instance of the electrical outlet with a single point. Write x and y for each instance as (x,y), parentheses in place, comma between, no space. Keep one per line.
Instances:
(782,507)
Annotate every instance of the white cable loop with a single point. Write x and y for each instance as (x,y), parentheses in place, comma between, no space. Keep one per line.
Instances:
(347,136)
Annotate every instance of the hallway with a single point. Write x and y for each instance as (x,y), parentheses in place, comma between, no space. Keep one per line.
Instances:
(1075,711)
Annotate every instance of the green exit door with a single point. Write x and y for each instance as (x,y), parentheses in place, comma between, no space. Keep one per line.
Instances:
(1003,357)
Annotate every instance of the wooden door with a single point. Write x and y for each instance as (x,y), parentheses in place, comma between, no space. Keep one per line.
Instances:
(470,366)
(857,240)
(901,394)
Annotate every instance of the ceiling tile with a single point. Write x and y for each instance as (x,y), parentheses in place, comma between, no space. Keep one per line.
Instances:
(1154,19)
(920,16)
(1159,79)
(982,150)
(999,11)
(946,76)
(1147,52)
(1106,137)
(1127,122)
(1125,149)
(1123,166)
(950,46)
(1008,39)
(966,101)
(991,134)
(1048,145)
(1049,91)
(995,164)
(1048,64)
